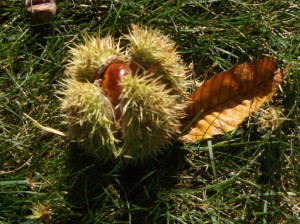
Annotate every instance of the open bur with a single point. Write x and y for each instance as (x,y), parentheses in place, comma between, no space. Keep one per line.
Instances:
(125,103)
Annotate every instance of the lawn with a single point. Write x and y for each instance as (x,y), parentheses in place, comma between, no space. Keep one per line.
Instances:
(251,175)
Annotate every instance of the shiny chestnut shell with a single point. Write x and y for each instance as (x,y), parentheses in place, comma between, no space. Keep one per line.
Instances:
(40,11)
(111,78)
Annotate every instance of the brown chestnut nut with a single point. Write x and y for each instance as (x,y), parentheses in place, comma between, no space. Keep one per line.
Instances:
(41,11)
(111,78)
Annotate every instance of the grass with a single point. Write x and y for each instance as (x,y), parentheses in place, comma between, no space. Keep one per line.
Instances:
(252,175)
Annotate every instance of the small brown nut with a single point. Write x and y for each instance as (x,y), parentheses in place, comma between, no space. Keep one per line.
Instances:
(41,11)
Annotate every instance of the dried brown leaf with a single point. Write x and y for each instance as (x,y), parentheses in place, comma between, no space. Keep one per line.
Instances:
(226,99)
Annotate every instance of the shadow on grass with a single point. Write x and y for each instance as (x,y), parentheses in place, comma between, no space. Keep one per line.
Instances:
(113,191)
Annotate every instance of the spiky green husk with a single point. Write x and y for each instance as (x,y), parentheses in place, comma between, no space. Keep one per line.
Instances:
(151,104)
(86,58)
(150,118)
(90,117)
(153,49)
